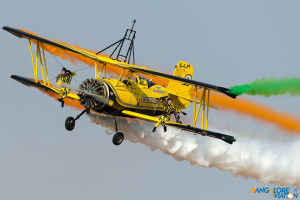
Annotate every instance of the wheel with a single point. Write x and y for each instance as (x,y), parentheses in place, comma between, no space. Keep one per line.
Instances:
(70,123)
(118,138)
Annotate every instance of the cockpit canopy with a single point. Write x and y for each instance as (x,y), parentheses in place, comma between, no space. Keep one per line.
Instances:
(139,79)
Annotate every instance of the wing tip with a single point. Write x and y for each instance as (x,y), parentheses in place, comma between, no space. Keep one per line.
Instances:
(225,91)
(5,28)
(13,31)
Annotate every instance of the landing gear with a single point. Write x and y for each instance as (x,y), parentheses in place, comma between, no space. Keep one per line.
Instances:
(70,121)
(118,136)
(70,125)
(62,102)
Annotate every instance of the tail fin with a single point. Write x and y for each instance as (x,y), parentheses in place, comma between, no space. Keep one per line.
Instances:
(184,70)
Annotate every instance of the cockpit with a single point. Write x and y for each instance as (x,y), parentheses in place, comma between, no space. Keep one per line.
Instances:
(140,80)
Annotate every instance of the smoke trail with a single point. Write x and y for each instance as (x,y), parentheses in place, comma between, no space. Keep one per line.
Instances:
(268,162)
(269,86)
(257,111)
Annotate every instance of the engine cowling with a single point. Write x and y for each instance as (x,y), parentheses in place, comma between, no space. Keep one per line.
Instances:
(95,87)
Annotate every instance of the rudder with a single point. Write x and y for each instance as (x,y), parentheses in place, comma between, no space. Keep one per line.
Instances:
(183,70)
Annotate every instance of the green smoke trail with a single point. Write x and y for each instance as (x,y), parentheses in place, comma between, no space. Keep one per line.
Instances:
(269,86)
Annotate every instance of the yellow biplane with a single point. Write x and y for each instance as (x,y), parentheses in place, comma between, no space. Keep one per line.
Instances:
(132,94)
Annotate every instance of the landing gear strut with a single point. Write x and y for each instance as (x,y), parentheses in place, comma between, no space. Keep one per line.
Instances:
(70,121)
(118,136)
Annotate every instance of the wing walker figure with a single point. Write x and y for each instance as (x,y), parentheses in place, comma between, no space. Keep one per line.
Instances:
(168,110)
(65,76)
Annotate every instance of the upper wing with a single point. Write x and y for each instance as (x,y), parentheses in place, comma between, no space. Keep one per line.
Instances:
(133,68)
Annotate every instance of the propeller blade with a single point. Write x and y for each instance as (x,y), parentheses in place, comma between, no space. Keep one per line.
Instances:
(70,86)
(97,97)
(85,92)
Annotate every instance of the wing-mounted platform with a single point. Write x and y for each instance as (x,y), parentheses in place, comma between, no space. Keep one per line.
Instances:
(128,38)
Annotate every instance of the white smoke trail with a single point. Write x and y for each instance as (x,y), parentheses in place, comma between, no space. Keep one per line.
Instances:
(267,161)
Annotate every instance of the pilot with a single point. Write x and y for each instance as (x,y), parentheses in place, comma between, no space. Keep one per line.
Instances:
(168,110)
(65,76)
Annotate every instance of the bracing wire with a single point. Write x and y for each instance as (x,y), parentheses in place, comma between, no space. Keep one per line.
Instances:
(54,56)
(63,65)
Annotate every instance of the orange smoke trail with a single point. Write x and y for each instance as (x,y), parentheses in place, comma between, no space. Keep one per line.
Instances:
(69,102)
(258,111)
(243,106)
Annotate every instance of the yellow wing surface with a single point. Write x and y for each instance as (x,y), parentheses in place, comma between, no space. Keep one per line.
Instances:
(117,63)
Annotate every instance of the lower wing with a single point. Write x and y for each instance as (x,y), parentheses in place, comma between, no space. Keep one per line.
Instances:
(227,138)
(31,83)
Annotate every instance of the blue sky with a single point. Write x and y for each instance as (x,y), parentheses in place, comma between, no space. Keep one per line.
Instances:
(227,42)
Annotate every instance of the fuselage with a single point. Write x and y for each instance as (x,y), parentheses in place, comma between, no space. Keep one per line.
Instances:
(137,94)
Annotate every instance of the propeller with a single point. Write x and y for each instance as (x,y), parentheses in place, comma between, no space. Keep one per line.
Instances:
(70,86)
(85,92)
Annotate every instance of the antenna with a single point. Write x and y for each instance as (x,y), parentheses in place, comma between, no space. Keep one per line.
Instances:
(128,38)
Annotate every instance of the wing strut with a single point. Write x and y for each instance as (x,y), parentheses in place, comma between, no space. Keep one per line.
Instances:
(97,74)
(40,57)
(204,103)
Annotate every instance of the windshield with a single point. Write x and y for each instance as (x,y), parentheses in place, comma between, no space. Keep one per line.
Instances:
(140,79)
(144,80)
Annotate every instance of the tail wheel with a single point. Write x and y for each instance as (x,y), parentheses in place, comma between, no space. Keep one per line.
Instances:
(70,123)
(118,138)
